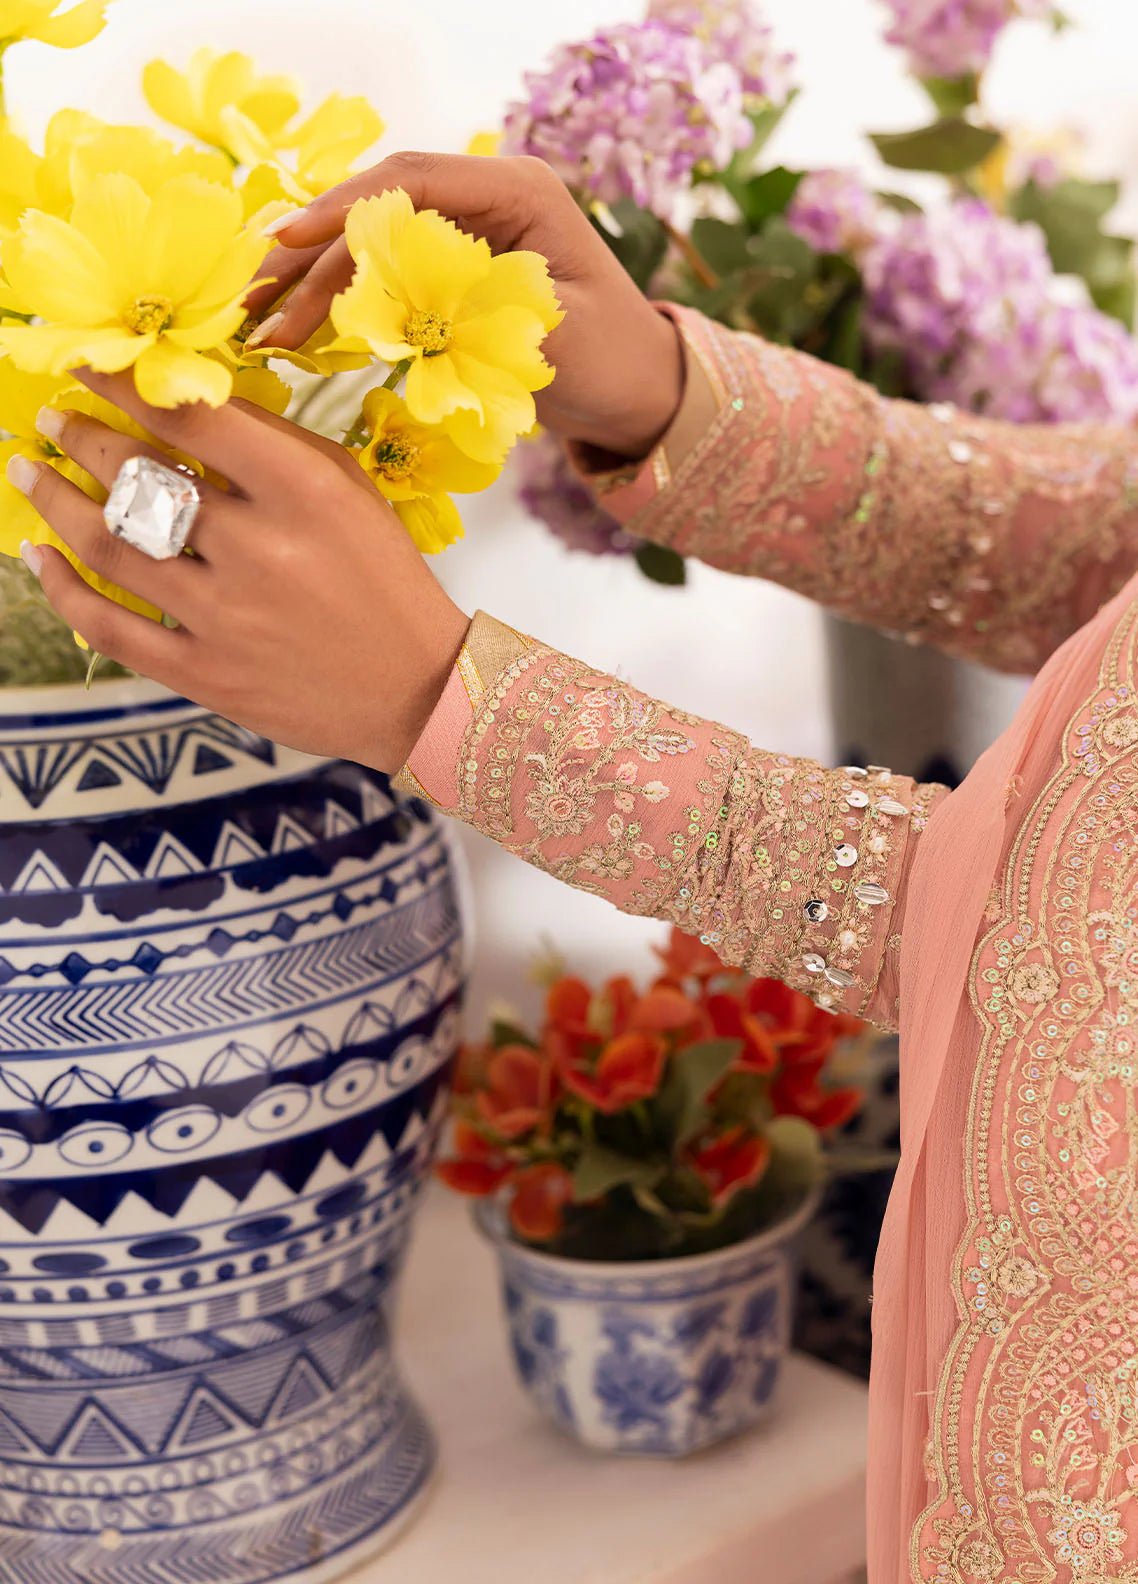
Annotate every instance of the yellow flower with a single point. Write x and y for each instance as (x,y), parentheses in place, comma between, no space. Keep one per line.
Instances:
(470,323)
(201,99)
(79,147)
(37,19)
(325,147)
(20,169)
(416,466)
(154,283)
(485,143)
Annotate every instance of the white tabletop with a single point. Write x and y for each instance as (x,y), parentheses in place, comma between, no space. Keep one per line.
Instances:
(515,1502)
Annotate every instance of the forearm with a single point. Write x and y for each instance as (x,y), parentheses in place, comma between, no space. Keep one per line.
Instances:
(988,540)
(787,868)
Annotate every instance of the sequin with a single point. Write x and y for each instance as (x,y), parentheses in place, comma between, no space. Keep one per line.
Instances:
(845,856)
(840,978)
(892,807)
(857,799)
(872,894)
(855,772)
(960,451)
(813,963)
(816,911)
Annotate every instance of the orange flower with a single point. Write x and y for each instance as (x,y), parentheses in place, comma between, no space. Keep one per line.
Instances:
(730,1019)
(665,1009)
(574,1009)
(797,1092)
(538,1204)
(629,1068)
(734,1160)
(686,957)
(479,1168)
(517,1091)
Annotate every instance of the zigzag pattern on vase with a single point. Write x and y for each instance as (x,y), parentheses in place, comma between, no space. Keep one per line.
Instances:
(178,1283)
(170,938)
(237,994)
(351,1504)
(46,1083)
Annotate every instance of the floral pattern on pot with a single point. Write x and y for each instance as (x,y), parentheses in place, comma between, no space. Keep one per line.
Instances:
(230,979)
(657,1357)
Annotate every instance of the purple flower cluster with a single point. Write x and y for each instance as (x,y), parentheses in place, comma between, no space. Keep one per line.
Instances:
(836,212)
(552,492)
(635,110)
(948,38)
(734,31)
(969,300)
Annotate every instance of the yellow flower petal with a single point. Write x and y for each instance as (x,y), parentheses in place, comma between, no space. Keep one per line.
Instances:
(332,138)
(507,411)
(366,311)
(508,339)
(514,280)
(374,229)
(54,349)
(439,264)
(19,519)
(435,389)
(168,376)
(170,266)
(113,213)
(23,394)
(444,467)
(168,94)
(58,272)
(264,388)
(433,521)
(71,28)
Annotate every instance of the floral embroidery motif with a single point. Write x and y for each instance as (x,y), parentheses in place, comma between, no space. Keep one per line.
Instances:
(1034,1441)
(786,868)
(990,540)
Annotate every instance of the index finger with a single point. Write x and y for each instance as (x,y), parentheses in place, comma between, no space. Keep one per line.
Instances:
(223,438)
(493,196)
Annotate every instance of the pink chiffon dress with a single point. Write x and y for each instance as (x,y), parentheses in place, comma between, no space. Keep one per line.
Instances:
(996,927)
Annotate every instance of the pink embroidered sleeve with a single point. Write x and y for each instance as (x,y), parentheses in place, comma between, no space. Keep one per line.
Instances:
(990,540)
(786,868)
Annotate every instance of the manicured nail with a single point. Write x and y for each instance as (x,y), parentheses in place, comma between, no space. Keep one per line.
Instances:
(282,222)
(263,331)
(32,557)
(51,422)
(22,473)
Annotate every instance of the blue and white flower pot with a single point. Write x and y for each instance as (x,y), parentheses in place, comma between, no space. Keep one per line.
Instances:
(656,1357)
(230,978)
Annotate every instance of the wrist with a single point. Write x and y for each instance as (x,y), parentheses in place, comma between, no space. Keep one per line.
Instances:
(431,657)
(653,387)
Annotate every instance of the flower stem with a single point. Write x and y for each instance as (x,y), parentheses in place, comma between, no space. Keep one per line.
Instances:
(396,375)
(359,434)
(692,257)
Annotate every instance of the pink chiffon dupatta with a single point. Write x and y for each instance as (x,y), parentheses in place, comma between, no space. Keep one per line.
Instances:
(962,860)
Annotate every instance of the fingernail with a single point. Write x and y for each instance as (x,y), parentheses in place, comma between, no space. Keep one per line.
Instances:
(32,557)
(282,222)
(263,331)
(22,473)
(51,422)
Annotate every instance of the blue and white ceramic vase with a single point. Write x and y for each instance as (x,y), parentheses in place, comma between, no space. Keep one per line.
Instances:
(229,987)
(656,1357)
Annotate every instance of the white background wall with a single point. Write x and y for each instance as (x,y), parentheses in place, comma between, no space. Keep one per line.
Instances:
(440,69)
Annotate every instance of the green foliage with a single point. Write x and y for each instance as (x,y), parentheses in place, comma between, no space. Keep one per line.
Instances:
(661,565)
(637,237)
(950,147)
(952,96)
(682,1105)
(503,1032)
(1071,214)
(599,1170)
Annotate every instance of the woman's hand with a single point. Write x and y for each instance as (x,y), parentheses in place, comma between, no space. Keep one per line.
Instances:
(305,613)
(619,364)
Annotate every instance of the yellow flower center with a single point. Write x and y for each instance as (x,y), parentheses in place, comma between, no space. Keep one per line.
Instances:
(396,457)
(149,315)
(427,330)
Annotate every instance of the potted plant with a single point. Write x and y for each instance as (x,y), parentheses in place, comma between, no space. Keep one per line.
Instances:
(645,1162)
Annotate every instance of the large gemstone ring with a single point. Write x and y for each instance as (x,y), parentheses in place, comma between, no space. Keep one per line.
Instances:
(153,507)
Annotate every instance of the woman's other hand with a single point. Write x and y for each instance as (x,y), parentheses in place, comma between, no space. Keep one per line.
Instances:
(305,612)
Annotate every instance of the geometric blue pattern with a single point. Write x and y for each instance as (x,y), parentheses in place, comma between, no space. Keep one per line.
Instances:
(230,979)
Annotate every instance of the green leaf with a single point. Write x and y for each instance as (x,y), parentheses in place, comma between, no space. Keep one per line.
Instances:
(661,565)
(767,195)
(900,201)
(846,341)
(722,244)
(950,146)
(641,243)
(1070,215)
(600,1170)
(682,1101)
(797,1160)
(951,96)
(505,1033)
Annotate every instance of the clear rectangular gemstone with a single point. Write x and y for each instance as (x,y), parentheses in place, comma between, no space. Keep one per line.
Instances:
(152,508)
